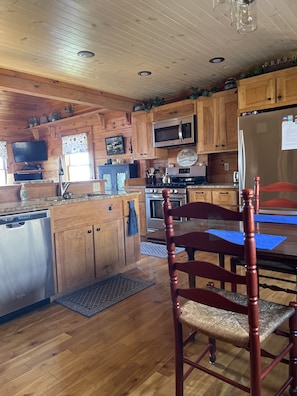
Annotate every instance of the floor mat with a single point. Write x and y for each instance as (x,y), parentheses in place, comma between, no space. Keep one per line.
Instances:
(156,250)
(95,298)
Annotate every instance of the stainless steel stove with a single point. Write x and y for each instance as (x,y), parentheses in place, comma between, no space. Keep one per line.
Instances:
(180,179)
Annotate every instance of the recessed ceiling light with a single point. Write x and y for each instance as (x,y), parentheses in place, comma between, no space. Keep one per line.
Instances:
(86,54)
(144,73)
(217,59)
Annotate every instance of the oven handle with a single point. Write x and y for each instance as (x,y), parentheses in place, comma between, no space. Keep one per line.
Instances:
(159,196)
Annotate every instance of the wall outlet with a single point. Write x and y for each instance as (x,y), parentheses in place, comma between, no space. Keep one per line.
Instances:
(96,187)
(226,166)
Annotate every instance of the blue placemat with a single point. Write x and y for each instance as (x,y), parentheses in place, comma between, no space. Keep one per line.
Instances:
(263,241)
(262,218)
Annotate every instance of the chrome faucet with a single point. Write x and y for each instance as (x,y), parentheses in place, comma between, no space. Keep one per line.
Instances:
(63,186)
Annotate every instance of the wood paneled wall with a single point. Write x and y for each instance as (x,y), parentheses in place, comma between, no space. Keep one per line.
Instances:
(100,126)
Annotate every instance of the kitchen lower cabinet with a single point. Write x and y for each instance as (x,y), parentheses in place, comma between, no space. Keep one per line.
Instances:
(74,257)
(90,241)
(109,248)
(132,242)
(227,198)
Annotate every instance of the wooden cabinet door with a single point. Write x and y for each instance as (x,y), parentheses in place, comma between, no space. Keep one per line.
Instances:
(217,123)
(174,110)
(225,198)
(74,257)
(206,125)
(199,195)
(142,134)
(228,137)
(256,93)
(109,248)
(287,87)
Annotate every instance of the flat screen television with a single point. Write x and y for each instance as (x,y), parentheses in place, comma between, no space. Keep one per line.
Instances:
(32,151)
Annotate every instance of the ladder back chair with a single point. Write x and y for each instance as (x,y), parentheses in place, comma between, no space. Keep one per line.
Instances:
(238,319)
(281,203)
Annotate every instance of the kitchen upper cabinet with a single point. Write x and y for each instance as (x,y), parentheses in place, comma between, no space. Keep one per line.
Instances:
(174,110)
(217,122)
(142,135)
(225,197)
(268,90)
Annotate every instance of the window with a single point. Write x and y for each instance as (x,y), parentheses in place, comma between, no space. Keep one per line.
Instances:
(77,157)
(2,171)
(3,156)
(78,166)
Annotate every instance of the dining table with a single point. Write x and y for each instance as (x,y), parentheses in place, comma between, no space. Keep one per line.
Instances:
(281,231)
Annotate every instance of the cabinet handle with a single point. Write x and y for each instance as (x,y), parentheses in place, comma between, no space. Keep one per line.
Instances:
(223,193)
(98,229)
(173,112)
(89,231)
(199,192)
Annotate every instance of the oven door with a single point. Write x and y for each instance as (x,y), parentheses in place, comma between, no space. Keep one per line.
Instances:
(154,210)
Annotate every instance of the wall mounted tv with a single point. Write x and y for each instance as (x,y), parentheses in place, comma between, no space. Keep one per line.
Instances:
(32,151)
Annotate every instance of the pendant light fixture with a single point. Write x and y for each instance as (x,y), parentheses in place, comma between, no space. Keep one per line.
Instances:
(243,13)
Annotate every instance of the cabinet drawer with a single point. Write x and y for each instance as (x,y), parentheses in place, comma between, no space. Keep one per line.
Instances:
(199,195)
(85,213)
(224,198)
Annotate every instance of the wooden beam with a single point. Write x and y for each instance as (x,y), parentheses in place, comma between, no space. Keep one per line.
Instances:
(57,90)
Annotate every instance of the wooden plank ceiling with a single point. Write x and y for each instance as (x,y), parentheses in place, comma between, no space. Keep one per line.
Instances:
(173,39)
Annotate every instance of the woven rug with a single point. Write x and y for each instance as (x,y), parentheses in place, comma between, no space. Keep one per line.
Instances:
(154,249)
(102,295)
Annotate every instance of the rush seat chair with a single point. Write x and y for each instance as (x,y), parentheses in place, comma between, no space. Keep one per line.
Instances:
(263,199)
(238,319)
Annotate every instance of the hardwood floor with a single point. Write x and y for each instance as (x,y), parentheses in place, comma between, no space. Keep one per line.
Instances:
(125,350)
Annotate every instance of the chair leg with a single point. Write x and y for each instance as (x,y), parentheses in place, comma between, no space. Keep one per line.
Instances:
(179,366)
(212,350)
(293,351)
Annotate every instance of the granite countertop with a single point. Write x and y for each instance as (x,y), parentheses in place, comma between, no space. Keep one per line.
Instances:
(47,202)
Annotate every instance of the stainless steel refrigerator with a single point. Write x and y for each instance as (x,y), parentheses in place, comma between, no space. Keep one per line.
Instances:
(263,142)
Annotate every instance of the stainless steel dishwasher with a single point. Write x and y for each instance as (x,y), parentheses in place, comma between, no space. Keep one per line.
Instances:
(26,265)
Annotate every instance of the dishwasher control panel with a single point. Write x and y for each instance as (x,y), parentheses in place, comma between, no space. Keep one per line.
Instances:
(15,218)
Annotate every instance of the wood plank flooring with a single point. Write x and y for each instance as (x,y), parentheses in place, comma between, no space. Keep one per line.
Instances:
(125,350)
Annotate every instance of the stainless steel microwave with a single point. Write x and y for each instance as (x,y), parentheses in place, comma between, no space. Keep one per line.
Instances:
(174,132)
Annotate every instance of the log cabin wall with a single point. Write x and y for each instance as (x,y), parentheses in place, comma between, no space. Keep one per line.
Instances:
(99,126)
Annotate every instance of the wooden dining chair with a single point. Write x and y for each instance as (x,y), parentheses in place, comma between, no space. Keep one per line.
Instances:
(263,199)
(238,319)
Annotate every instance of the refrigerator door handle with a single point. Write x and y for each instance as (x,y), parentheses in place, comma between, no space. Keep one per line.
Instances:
(241,160)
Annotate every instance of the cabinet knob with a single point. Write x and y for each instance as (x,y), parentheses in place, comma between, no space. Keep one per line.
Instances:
(279,97)
(110,207)
(268,98)
(98,229)
(89,231)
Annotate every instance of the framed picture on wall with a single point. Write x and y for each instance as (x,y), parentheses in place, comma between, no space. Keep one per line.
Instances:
(115,145)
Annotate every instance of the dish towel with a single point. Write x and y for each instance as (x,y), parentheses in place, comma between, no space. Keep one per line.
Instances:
(132,220)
